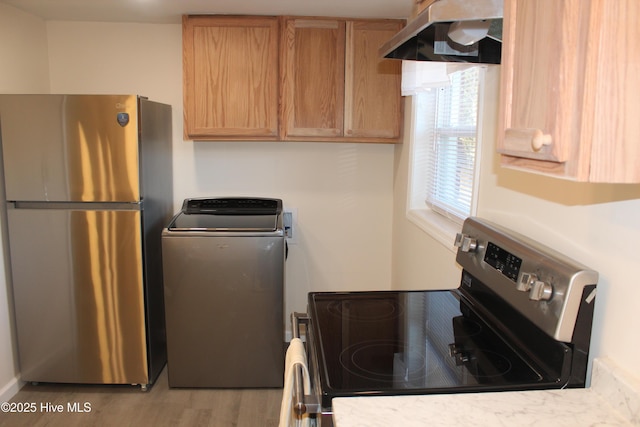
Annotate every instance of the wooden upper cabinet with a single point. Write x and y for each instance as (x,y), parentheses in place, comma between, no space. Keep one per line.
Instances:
(569,88)
(230,77)
(312,73)
(290,78)
(335,87)
(373,105)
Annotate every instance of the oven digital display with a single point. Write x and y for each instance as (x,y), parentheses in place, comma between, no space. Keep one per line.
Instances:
(503,261)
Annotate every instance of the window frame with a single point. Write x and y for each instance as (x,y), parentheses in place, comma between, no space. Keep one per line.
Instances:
(434,222)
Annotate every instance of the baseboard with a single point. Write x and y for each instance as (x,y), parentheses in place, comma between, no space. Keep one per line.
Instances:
(10,389)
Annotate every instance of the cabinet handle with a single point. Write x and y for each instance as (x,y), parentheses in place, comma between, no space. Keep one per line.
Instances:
(529,143)
(540,139)
(526,140)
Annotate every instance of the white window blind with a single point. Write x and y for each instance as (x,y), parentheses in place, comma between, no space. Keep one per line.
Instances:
(452,160)
(451,133)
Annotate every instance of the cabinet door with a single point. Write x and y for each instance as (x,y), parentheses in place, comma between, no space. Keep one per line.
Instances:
(569,92)
(541,71)
(373,107)
(312,75)
(230,77)
(612,86)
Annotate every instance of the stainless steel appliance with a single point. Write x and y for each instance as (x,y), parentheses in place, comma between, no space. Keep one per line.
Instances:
(520,319)
(451,31)
(88,190)
(224,283)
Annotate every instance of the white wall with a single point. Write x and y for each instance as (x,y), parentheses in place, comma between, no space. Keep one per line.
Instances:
(596,224)
(23,53)
(418,261)
(23,50)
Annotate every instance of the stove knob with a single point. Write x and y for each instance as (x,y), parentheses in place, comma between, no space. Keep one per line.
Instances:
(459,354)
(540,291)
(466,243)
(454,349)
(525,281)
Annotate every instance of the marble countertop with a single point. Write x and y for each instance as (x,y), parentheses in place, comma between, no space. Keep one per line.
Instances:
(612,400)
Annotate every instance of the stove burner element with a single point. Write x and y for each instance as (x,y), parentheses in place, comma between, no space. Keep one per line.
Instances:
(392,362)
(376,360)
(383,309)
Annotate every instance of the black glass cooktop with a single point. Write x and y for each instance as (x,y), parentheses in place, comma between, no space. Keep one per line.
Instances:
(414,342)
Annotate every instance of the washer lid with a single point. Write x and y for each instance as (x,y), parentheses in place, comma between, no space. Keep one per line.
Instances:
(208,222)
(228,214)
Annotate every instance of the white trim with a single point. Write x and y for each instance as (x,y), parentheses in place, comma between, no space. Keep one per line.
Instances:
(10,389)
(479,139)
(442,230)
(439,227)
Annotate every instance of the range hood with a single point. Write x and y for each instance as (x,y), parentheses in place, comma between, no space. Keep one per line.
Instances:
(451,31)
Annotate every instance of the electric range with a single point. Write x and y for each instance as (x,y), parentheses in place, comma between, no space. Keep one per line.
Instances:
(520,320)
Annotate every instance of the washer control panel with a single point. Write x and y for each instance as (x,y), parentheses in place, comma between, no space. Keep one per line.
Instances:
(233,206)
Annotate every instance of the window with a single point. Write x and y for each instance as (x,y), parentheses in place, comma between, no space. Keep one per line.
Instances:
(445,153)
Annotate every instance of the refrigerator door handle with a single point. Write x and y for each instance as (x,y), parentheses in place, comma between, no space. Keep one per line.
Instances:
(85,206)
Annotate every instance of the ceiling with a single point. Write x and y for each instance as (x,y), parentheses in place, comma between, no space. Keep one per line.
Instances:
(169,11)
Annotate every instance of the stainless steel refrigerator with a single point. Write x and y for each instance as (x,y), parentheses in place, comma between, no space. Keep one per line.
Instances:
(88,189)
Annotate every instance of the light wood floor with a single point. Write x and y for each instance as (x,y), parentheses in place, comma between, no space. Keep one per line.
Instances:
(160,406)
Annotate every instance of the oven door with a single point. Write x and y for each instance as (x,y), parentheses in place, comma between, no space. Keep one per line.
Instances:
(307,407)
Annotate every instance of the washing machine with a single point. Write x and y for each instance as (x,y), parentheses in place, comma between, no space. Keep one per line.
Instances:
(224,276)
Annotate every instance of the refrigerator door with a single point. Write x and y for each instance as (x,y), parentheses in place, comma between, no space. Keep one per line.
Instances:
(78,292)
(76,148)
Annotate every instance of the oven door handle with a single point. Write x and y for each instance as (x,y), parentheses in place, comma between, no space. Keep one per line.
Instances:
(302,403)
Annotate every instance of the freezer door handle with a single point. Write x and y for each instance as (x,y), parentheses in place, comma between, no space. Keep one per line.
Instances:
(85,206)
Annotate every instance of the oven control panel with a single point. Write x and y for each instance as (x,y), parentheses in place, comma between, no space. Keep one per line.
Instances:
(503,261)
(542,284)
(509,265)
